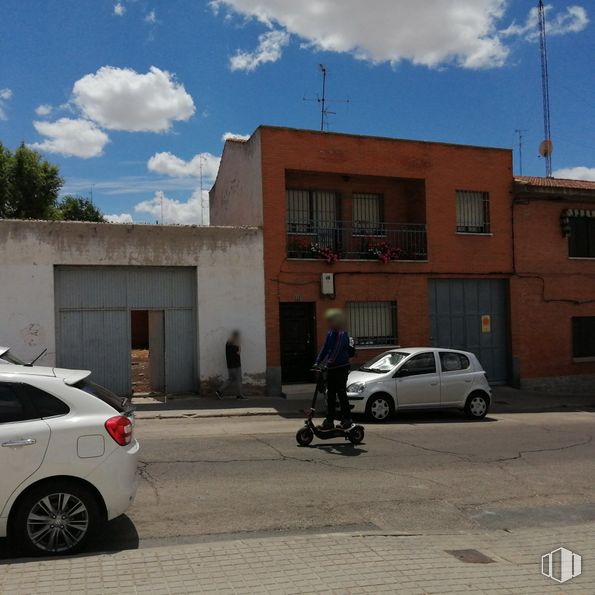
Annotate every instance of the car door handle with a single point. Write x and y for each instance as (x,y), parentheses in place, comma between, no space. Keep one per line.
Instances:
(434,384)
(468,381)
(23,442)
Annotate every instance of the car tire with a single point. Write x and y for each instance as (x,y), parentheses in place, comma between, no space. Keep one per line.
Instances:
(477,405)
(380,408)
(56,518)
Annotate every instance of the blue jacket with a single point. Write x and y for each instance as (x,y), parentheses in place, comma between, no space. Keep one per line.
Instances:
(335,352)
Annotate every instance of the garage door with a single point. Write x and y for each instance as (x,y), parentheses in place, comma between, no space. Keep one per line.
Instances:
(93,328)
(472,315)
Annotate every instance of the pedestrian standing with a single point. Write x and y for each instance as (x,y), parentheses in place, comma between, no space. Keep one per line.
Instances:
(234,367)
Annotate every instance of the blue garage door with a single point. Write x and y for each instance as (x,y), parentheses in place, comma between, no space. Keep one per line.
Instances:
(472,314)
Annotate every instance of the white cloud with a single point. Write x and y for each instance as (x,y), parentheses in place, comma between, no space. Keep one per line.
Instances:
(122,99)
(576,173)
(233,136)
(121,218)
(193,211)
(429,32)
(76,138)
(573,20)
(43,110)
(171,165)
(270,49)
(151,17)
(5,97)
(119,9)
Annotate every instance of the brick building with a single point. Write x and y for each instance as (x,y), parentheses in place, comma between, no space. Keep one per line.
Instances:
(553,289)
(414,239)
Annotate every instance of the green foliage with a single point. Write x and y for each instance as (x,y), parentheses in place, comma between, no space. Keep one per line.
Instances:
(29,185)
(29,189)
(77,208)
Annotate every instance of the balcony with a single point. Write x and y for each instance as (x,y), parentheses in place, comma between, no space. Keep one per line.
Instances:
(344,240)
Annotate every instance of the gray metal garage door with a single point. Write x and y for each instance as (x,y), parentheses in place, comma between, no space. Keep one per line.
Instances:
(472,315)
(93,328)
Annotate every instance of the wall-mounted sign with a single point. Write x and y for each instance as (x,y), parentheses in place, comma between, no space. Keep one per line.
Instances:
(486,323)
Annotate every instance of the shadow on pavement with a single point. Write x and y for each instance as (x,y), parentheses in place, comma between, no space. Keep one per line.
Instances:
(119,534)
(345,450)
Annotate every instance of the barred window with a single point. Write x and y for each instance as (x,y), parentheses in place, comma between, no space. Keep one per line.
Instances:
(473,212)
(367,214)
(373,323)
(309,210)
(583,336)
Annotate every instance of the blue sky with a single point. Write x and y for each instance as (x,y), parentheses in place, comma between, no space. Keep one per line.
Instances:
(123,95)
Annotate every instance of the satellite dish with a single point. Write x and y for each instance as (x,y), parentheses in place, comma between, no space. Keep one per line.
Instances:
(546,148)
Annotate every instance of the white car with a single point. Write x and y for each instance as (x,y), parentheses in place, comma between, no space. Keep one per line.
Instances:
(68,458)
(419,378)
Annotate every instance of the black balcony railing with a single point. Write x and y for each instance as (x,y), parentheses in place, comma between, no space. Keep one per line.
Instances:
(347,240)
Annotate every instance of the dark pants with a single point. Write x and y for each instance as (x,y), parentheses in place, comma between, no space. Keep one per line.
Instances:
(337,387)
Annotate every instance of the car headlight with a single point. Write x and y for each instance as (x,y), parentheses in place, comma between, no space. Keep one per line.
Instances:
(356,387)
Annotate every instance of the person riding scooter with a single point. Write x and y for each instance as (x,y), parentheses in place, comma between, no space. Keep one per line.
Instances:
(334,356)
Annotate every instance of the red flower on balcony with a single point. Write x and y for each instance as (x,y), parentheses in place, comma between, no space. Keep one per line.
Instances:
(327,254)
(385,252)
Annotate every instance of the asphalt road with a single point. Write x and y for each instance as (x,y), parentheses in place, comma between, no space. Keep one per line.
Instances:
(420,474)
(207,479)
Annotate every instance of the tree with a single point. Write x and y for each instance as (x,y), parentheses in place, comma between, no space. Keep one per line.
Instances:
(29,189)
(5,161)
(31,186)
(77,208)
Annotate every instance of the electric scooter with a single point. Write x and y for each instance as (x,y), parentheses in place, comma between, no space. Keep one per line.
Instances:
(305,435)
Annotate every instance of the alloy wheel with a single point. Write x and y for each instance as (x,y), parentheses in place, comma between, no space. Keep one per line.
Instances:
(57,522)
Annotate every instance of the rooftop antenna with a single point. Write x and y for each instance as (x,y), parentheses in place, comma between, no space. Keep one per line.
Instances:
(521,136)
(546,148)
(323,101)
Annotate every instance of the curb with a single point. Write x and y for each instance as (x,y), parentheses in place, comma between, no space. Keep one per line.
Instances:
(217,414)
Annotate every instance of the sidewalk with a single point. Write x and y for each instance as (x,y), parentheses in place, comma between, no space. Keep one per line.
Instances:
(200,407)
(331,563)
(505,400)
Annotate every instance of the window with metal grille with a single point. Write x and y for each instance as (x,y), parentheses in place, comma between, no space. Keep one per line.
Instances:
(473,212)
(311,210)
(373,323)
(368,214)
(581,241)
(583,336)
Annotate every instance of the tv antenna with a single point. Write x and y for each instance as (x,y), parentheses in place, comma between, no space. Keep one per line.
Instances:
(547,147)
(323,101)
(521,140)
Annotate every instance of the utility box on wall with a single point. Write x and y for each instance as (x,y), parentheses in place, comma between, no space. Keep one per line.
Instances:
(327,284)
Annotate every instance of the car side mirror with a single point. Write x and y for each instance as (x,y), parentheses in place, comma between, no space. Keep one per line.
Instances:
(401,373)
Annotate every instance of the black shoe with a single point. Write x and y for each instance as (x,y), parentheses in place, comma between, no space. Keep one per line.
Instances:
(242,398)
(326,425)
(219,394)
(345,425)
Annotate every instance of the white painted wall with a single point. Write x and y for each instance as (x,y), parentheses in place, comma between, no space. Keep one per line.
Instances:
(230,281)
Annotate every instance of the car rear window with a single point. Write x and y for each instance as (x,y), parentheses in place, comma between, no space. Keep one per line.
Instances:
(120,404)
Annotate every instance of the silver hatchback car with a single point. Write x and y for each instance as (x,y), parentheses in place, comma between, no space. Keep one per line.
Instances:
(419,378)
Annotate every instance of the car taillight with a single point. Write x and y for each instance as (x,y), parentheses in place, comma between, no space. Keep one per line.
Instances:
(120,429)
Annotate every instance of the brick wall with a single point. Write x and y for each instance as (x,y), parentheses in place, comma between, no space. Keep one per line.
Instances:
(550,288)
(442,168)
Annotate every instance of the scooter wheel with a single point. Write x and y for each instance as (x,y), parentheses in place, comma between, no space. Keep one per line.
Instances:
(304,436)
(356,436)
